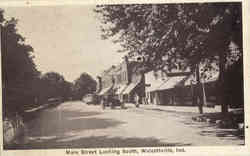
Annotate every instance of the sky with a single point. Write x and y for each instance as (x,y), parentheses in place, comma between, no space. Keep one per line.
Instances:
(66,39)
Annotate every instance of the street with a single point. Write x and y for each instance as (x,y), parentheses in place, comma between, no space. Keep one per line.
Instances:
(77,125)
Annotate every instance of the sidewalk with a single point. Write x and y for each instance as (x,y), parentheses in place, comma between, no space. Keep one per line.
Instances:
(37,108)
(41,107)
(189,109)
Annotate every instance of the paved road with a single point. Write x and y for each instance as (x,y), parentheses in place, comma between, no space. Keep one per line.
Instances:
(77,125)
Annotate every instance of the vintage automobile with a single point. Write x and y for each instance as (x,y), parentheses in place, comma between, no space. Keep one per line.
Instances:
(89,99)
(111,101)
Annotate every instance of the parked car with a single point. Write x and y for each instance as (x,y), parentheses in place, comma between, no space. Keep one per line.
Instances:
(111,101)
(89,99)
(54,101)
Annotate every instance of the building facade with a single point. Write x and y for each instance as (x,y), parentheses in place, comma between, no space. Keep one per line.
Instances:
(123,81)
(178,88)
(106,81)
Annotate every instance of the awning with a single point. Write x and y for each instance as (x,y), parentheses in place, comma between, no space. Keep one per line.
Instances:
(120,89)
(105,90)
(130,87)
(152,87)
(191,80)
(153,82)
(171,82)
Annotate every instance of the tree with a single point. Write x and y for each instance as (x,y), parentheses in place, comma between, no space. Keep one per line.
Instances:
(176,36)
(23,85)
(83,85)
(18,68)
(234,84)
(53,85)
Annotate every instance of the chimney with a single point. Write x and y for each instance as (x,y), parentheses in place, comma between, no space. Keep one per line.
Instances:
(128,72)
(99,83)
(126,59)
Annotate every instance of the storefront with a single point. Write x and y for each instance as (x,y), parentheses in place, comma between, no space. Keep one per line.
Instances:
(166,90)
(119,92)
(129,92)
(152,83)
(106,91)
(171,91)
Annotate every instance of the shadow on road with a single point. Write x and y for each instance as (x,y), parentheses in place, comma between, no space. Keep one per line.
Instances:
(65,128)
(173,111)
(52,123)
(210,129)
(99,142)
(229,134)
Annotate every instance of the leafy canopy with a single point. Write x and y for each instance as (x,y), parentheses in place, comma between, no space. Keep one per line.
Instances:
(173,36)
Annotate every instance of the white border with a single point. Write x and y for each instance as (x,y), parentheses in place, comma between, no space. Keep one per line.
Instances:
(190,150)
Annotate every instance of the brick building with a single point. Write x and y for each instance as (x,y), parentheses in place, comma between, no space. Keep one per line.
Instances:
(106,81)
(136,86)
(123,81)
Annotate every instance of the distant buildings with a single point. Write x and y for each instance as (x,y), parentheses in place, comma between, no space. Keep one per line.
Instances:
(123,81)
(164,89)
(177,88)
(126,82)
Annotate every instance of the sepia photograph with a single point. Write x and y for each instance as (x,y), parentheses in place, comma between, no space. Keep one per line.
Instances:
(122,76)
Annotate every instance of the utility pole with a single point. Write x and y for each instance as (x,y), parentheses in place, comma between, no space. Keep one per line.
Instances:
(199,100)
(204,94)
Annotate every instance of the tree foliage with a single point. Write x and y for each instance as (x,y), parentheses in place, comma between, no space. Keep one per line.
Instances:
(83,85)
(23,85)
(172,35)
(53,85)
(18,68)
(176,36)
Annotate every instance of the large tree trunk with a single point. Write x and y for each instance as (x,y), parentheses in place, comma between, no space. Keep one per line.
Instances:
(222,95)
